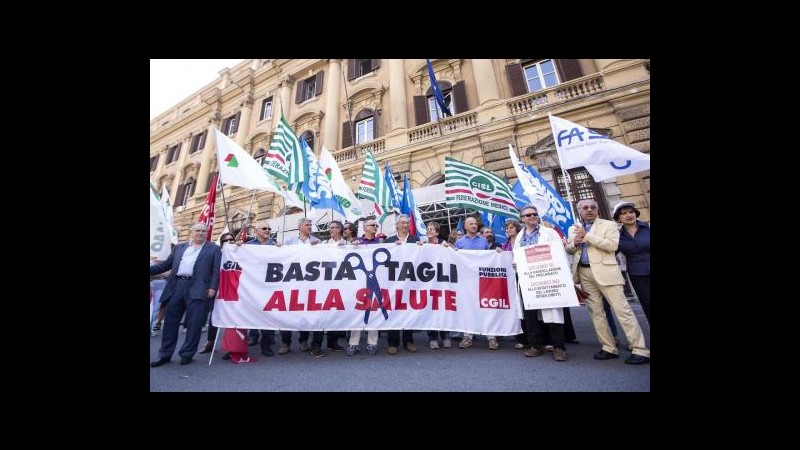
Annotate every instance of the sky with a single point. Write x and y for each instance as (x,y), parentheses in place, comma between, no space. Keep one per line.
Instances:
(172,80)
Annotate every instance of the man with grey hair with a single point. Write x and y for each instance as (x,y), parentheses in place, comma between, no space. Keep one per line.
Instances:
(402,223)
(304,237)
(194,278)
(595,267)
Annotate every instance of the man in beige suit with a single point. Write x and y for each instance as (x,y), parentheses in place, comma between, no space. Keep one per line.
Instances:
(595,268)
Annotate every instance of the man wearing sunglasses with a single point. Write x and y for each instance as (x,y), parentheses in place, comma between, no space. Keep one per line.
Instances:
(263,237)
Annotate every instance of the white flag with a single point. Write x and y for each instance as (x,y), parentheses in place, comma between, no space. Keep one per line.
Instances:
(159,234)
(602,156)
(169,214)
(238,168)
(350,204)
(536,193)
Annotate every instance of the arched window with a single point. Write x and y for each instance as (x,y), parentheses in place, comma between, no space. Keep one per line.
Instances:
(186,191)
(365,126)
(308,135)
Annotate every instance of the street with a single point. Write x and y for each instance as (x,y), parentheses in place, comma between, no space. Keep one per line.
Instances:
(475,369)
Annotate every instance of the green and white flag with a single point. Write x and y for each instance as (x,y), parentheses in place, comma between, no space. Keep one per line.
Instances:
(373,187)
(285,159)
(472,187)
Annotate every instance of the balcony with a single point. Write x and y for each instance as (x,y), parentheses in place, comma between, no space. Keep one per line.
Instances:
(357,152)
(579,87)
(443,127)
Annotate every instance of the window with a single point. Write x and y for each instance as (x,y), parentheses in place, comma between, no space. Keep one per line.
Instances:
(266,109)
(231,124)
(583,187)
(433,107)
(198,142)
(185,192)
(308,136)
(364,130)
(541,75)
(259,156)
(174,153)
(359,67)
(153,163)
(309,88)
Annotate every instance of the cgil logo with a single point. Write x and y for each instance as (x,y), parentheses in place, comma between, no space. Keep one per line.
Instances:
(497,303)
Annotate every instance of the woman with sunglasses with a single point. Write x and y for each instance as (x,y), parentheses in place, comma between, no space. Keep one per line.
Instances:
(226,238)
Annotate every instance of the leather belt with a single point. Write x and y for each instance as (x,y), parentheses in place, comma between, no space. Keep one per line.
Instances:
(184,277)
(584,265)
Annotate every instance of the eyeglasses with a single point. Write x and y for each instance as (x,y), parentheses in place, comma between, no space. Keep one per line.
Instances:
(228,240)
(588,207)
(530,215)
(371,225)
(266,228)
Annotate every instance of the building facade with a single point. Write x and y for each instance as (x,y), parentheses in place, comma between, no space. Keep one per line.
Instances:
(387,106)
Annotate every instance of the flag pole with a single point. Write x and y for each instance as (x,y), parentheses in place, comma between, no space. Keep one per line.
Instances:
(567,176)
(246,222)
(349,113)
(225,207)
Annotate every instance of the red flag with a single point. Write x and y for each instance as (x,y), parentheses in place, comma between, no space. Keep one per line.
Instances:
(243,235)
(207,214)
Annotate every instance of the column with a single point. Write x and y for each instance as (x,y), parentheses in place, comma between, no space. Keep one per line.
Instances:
(397,92)
(334,88)
(209,153)
(485,80)
(179,164)
(286,96)
(244,120)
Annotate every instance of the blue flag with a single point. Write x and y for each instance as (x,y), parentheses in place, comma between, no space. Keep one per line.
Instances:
(317,189)
(394,191)
(558,211)
(498,224)
(460,225)
(437,93)
(409,207)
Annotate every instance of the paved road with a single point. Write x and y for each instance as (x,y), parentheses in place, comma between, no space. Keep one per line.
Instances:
(476,369)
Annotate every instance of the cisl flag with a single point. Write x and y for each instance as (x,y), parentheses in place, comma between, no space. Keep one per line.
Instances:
(602,156)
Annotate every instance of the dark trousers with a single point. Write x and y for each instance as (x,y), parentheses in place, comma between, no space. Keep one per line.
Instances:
(316,337)
(393,337)
(569,331)
(333,337)
(442,334)
(536,331)
(212,330)
(195,309)
(641,284)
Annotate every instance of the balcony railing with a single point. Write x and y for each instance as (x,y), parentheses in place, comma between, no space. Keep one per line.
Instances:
(443,127)
(357,152)
(579,87)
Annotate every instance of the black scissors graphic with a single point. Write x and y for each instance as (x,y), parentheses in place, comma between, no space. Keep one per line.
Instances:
(372,281)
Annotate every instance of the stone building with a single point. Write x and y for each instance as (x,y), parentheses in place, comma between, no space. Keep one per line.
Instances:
(387,106)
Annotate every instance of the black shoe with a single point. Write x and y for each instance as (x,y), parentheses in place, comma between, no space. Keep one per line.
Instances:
(317,352)
(637,359)
(226,356)
(159,362)
(602,354)
(335,348)
(186,360)
(267,352)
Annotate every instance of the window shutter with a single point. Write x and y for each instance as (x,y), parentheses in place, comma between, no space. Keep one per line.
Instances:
(178,151)
(236,121)
(375,64)
(375,133)
(203,139)
(153,163)
(460,97)
(569,69)
(318,87)
(420,109)
(516,79)
(347,136)
(179,195)
(211,180)
(298,98)
(351,69)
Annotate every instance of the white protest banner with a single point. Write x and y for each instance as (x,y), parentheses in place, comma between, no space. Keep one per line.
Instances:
(421,287)
(545,277)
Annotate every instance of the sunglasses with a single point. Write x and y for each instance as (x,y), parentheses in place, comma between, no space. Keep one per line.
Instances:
(530,215)
(587,208)
(228,240)
(371,225)
(266,228)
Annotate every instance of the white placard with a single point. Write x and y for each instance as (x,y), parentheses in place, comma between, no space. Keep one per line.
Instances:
(544,274)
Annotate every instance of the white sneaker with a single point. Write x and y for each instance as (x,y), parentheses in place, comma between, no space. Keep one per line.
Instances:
(435,345)
(446,343)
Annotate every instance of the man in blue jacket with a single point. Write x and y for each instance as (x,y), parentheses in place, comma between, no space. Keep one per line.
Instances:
(195,277)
